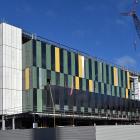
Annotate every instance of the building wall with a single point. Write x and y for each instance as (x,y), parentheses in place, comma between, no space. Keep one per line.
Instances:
(10,69)
(64,133)
(128,132)
(78,82)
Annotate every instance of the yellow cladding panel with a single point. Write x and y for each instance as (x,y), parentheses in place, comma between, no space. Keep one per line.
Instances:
(115,76)
(27,79)
(126,93)
(90,86)
(57,59)
(76,82)
(80,66)
(128,80)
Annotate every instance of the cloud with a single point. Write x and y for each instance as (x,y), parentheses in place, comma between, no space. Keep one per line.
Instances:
(126,61)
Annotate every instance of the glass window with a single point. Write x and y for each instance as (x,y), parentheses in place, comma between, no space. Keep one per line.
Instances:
(61,61)
(90,69)
(76,64)
(34,53)
(43,52)
(52,58)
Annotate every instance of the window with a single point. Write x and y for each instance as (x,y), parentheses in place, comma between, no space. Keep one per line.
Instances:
(43,52)
(34,53)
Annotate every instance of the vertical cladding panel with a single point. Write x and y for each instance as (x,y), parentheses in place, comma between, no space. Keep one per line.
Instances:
(77,82)
(48,57)
(119,78)
(124,82)
(118,91)
(53,78)
(80,66)
(34,77)
(84,84)
(104,72)
(115,76)
(87,67)
(128,80)
(96,87)
(99,72)
(65,58)
(69,81)
(73,63)
(108,89)
(39,100)
(12,68)
(102,88)
(38,54)
(113,91)
(1,98)
(27,78)
(126,93)
(123,92)
(62,79)
(90,86)
(57,59)
(1,33)
(93,69)
(110,76)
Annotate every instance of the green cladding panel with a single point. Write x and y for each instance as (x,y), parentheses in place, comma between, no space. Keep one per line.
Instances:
(48,57)
(84,84)
(104,73)
(118,91)
(119,77)
(69,81)
(27,57)
(99,72)
(102,88)
(34,77)
(113,91)
(62,79)
(124,78)
(73,64)
(65,62)
(110,75)
(39,100)
(108,89)
(96,87)
(93,70)
(53,78)
(87,68)
(38,54)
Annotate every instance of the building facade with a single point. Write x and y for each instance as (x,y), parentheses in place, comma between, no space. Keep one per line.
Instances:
(39,77)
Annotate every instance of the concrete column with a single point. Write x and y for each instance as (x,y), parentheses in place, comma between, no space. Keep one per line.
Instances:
(13,123)
(3,123)
(35,125)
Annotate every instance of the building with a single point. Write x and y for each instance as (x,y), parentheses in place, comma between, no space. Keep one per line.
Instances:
(45,82)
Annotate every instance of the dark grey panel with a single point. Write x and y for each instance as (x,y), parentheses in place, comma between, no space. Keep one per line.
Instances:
(63,133)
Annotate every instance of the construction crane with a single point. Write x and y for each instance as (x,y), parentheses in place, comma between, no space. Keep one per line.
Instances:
(136,19)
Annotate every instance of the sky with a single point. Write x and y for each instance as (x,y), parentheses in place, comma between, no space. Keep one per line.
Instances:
(91,26)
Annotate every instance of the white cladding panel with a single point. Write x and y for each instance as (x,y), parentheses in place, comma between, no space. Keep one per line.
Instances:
(11,69)
(1,34)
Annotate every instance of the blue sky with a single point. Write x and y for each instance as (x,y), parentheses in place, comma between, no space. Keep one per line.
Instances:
(91,26)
